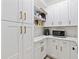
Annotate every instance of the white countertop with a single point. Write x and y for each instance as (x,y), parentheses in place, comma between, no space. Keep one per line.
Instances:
(37,39)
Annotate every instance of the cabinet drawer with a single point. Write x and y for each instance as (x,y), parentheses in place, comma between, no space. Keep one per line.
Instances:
(40,43)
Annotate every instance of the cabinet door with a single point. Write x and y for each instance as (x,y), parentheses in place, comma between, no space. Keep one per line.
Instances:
(55,48)
(50,17)
(27,11)
(10,40)
(20,10)
(37,54)
(63,13)
(73,12)
(27,42)
(10,10)
(52,48)
(64,50)
(73,50)
(58,14)
(49,45)
(43,49)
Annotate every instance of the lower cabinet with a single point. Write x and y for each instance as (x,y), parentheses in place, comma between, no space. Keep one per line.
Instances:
(56,48)
(52,47)
(61,49)
(73,50)
(40,49)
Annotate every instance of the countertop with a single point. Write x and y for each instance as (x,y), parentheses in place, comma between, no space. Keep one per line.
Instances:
(39,38)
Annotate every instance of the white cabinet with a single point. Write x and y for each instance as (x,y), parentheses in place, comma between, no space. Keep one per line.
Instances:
(52,47)
(16,34)
(37,53)
(27,42)
(10,40)
(64,50)
(73,50)
(58,49)
(10,10)
(73,12)
(40,49)
(64,13)
(27,10)
(17,10)
(16,41)
(58,14)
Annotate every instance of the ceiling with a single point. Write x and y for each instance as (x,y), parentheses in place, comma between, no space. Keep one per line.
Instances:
(50,2)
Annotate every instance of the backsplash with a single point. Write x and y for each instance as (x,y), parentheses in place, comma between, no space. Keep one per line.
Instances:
(38,31)
(70,31)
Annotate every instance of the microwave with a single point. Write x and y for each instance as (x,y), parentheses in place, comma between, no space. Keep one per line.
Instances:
(58,33)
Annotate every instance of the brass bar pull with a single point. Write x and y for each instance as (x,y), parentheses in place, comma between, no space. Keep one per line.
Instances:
(42,49)
(56,47)
(24,29)
(20,14)
(69,22)
(24,15)
(20,29)
(61,48)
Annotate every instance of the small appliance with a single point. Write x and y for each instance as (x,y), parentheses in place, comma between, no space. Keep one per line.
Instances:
(58,33)
(46,32)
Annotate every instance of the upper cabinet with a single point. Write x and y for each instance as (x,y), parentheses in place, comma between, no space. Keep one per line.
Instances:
(58,14)
(10,10)
(27,10)
(40,3)
(73,12)
(17,10)
(63,13)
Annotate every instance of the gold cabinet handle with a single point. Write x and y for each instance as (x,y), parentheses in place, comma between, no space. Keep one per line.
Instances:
(69,22)
(24,15)
(42,49)
(20,29)
(61,48)
(52,23)
(24,29)
(60,22)
(20,14)
(56,47)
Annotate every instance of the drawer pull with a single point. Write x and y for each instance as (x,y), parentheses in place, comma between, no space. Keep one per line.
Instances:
(24,15)
(69,22)
(20,29)
(42,49)
(41,42)
(56,47)
(24,29)
(20,14)
(61,48)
